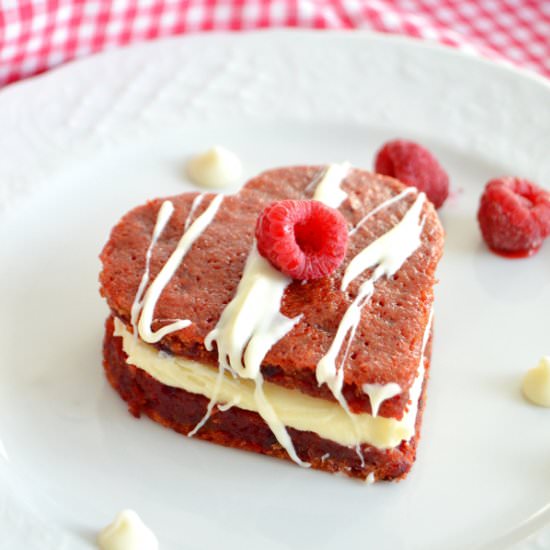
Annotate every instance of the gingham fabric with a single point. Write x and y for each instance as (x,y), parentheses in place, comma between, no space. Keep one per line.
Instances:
(36,35)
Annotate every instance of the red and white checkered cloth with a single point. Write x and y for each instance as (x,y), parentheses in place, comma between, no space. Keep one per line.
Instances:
(38,34)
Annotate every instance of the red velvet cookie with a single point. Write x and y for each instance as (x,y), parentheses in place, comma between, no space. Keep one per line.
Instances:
(389,344)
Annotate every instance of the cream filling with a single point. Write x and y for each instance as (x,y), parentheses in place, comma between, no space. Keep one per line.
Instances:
(293,408)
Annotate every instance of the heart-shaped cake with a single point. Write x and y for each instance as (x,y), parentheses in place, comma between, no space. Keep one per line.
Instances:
(207,337)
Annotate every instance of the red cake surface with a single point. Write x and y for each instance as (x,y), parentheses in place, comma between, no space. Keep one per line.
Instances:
(387,346)
(180,410)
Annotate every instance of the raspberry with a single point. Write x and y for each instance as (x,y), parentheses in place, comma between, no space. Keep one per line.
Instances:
(514,216)
(416,166)
(303,239)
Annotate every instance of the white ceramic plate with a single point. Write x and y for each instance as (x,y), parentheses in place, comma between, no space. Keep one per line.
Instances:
(85,143)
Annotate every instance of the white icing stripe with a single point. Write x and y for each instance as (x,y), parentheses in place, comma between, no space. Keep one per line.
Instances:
(212,403)
(390,251)
(328,190)
(167,272)
(252,322)
(230,404)
(194,205)
(387,253)
(273,420)
(247,329)
(378,393)
(380,207)
(327,371)
(163,217)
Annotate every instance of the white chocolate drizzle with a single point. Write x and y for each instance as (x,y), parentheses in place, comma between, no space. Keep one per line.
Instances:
(328,190)
(380,207)
(390,251)
(230,404)
(247,329)
(163,217)
(386,254)
(194,205)
(378,393)
(252,322)
(370,479)
(167,272)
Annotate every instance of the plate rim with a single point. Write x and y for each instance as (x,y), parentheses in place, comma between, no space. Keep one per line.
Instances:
(467,57)
(477,57)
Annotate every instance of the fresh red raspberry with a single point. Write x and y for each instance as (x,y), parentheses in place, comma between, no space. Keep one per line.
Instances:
(416,166)
(303,239)
(514,216)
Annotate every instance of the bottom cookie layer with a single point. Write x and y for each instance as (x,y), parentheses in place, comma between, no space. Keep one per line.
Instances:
(182,411)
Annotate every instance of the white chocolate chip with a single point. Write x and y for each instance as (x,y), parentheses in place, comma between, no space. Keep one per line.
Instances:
(218,167)
(127,532)
(536,384)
